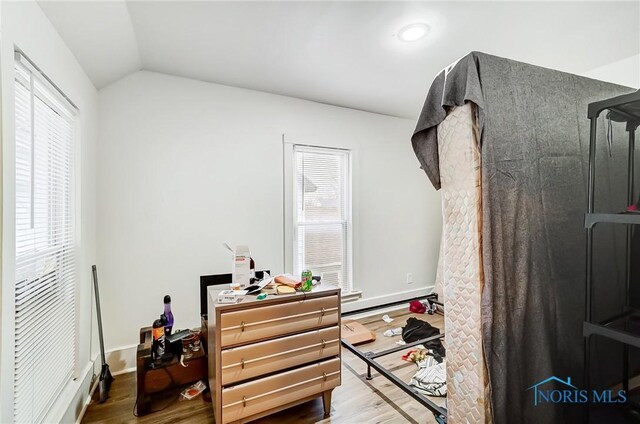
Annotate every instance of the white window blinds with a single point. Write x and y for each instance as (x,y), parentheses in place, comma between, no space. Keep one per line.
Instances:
(45,285)
(322,214)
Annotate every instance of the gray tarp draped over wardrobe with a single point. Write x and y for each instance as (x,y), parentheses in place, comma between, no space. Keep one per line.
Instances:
(534,149)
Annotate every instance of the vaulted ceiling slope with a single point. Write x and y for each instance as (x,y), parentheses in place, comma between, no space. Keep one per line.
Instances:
(341,53)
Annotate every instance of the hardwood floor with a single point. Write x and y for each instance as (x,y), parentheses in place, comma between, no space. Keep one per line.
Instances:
(355,401)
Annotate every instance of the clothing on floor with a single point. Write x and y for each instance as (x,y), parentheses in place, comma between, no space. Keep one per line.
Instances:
(431,378)
(415,355)
(421,353)
(417,329)
(417,307)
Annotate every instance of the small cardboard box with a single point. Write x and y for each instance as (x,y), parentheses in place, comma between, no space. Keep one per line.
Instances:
(241,273)
(242,266)
(231,296)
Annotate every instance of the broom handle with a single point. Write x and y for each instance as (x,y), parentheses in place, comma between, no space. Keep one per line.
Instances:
(94,270)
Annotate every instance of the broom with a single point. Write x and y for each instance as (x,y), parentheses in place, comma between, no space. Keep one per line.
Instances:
(105,375)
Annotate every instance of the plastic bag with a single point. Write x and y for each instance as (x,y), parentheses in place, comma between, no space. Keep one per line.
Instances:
(193,390)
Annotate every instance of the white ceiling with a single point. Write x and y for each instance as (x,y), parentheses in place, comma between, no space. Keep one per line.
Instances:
(340,53)
(100,35)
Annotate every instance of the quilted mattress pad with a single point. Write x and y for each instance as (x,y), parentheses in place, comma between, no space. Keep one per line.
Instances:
(461,276)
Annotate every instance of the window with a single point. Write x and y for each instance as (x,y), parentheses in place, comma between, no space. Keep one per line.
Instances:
(322,214)
(45,280)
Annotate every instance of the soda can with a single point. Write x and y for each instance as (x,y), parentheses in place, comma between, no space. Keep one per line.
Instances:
(307,280)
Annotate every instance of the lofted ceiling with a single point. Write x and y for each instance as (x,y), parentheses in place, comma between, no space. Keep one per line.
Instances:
(341,53)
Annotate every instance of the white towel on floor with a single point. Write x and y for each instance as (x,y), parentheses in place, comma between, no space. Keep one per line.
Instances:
(431,378)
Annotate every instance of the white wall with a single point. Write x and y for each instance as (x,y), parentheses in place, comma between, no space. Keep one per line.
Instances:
(186,165)
(24,25)
(624,72)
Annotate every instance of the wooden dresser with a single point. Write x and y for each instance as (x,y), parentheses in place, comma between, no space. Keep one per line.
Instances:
(268,355)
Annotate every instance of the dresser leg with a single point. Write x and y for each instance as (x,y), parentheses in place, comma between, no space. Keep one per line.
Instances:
(326,402)
(143,406)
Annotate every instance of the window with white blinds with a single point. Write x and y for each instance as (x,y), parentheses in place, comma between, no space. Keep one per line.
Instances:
(322,214)
(45,285)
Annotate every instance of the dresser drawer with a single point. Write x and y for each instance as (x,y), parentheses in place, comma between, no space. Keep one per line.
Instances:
(253,360)
(247,325)
(263,394)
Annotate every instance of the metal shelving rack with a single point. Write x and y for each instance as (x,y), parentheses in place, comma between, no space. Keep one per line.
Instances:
(625,108)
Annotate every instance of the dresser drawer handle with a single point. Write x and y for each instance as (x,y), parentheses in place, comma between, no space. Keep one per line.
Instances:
(242,363)
(281,353)
(323,311)
(280,389)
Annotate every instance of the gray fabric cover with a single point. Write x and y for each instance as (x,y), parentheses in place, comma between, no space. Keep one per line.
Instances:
(534,144)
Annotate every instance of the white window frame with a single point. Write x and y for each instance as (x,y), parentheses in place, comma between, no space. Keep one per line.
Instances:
(290,218)
(9,233)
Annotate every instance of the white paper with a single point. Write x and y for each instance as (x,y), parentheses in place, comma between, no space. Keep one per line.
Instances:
(393,332)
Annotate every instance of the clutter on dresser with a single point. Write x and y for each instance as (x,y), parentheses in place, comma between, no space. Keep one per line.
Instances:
(190,344)
(231,296)
(306,281)
(162,328)
(285,290)
(176,336)
(265,285)
(222,282)
(159,350)
(168,315)
(187,344)
(195,347)
(244,267)
(287,280)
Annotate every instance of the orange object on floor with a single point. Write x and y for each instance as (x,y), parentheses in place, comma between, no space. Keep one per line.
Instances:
(356,333)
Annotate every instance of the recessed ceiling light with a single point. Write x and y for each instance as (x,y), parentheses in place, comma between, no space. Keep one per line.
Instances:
(413,32)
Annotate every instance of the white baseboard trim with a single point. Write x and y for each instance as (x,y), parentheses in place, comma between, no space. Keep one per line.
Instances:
(377,311)
(95,386)
(122,359)
(124,371)
(87,402)
(351,296)
(70,404)
(92,389)
(386,299)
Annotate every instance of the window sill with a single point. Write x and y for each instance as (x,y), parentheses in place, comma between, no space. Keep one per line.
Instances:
(352,296)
